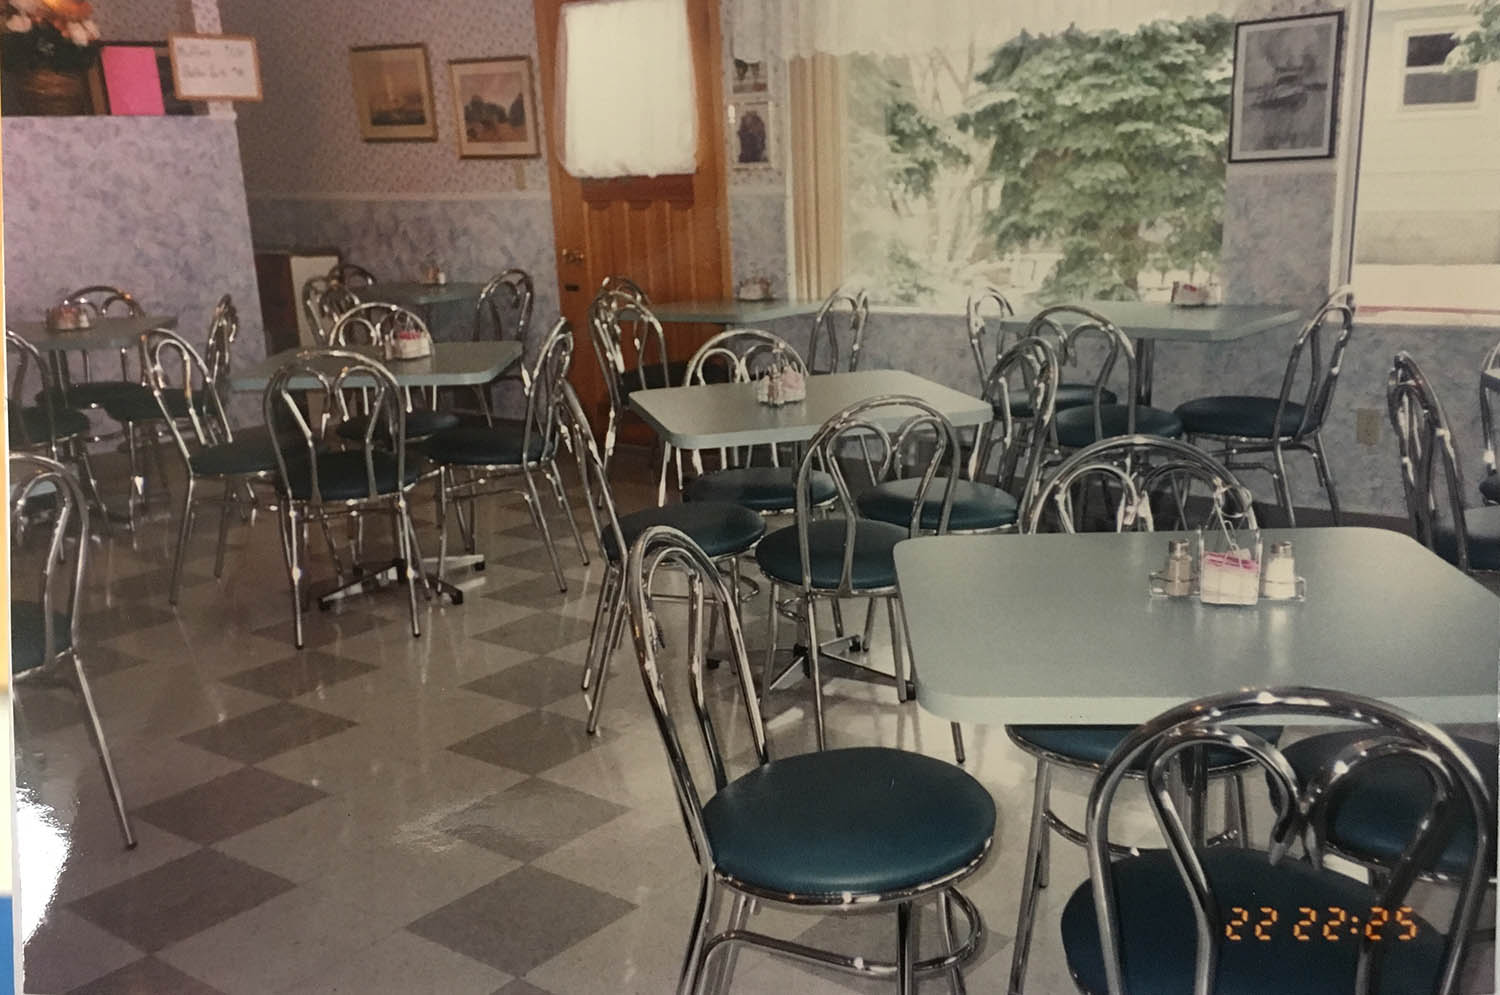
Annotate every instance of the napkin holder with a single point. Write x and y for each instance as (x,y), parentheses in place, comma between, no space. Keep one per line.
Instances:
(68,317)
(1193,295)
(432,272)
(408,343)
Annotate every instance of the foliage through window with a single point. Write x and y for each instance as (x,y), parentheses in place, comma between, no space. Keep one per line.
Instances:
(1081,164)
(1429,81)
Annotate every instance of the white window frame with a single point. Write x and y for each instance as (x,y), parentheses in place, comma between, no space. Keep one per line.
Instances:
(1415,29)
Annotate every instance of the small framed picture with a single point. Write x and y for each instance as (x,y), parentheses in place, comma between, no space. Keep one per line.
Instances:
(393,93)
(1285,88)
(750,126)
(749,77)
(494,106)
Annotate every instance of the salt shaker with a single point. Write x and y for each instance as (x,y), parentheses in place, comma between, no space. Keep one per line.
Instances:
(1177,575)
(1279,578)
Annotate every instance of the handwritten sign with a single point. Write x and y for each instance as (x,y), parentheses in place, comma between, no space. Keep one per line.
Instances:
(215,67)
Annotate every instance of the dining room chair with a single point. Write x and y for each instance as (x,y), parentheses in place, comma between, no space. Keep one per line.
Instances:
(619,313)
(373,325)
(1082,425)
(478,460)
(101,301)
(1180,917)
(47,428)
(752,476)
(502,313)
(843,555)
(318,483)
(351,275)
(1432,476)
(1134,471)
(985,313)
(1489,484)
(722,530)
(1246,425)
(46,621)
(854,830)
(185,386)
(323,300)
(838,331)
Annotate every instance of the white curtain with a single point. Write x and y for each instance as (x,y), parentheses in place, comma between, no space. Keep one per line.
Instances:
(904,27)
(628,93)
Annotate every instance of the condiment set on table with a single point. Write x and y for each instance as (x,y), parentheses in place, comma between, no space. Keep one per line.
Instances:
(1235,575)
(781,384)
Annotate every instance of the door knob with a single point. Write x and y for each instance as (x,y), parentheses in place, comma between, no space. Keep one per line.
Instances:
(572,255)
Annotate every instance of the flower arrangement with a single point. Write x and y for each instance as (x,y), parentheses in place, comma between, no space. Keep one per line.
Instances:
(48,34)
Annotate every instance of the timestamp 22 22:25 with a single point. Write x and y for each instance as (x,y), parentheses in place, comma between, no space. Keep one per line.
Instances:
(1332,924)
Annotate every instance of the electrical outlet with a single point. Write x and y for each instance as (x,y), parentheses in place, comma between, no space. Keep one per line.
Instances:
(1367,426)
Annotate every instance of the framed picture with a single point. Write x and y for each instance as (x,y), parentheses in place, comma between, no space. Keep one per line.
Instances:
(750,126)
(494,105)
(1286,77)
(749,77)
(393,93)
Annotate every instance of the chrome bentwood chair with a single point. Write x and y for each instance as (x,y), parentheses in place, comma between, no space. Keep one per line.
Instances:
(841,319)
(101,301)
(619,312)
(722,530)
(1489,485)
(317,483)
(857,829)
(1082,425)
(47,427)
(476,460)
(845,555)
(351,275)
(44,629)
(982,328)
(375,324)
(210,453)
(1432,476)
(1131,472)
(502,313)
(1245,425)
(1234,920)
(323,300)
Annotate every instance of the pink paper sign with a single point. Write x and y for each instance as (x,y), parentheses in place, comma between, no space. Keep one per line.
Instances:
(132,80)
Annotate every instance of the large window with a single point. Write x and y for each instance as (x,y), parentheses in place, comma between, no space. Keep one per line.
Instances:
(1079,164)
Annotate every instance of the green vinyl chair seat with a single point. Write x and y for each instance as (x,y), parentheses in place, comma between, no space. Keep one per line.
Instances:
(1483,525)
(419,425)
(1489,487)
(32,424)
(1374,815)
(1092,745)
(761,488)
(1240,415)
(976,505)
(1075,426)
(676,376)
(483,445)
(873,568)
(28,635)
(1069,395)
(249,454)
(720,528)
(1158,936)
(94,393)
(866,820)
(342,475)
(142,406)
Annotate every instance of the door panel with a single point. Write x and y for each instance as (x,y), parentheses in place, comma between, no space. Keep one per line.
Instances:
(668,233)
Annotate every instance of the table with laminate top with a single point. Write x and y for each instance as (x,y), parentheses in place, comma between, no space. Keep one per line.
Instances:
(1061,629)
(115,332)
(709,416)
(413,294)
(452,364)
(731,313)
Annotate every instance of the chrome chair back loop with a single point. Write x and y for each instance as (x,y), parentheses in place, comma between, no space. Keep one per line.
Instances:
(323,301)
(1428,460)
(34,476)
(505,304)
(1322,380)
(841,318)
(105,301)
(739,355)
(982,328)
(1034,361)
(351,275)
(546,386)
(1070,324)
(189,379)
(1302,810)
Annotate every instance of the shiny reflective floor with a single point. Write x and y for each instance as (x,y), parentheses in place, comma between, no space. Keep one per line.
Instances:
(383,814)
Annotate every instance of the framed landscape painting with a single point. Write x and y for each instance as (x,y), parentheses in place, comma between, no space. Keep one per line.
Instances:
(1286,73)
(494,105)
(393,93)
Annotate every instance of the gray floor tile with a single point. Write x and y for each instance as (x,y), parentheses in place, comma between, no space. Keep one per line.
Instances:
(532,743)
(520,986)
(298,674)
(179,899)
(66,951)
(320,628)
(520,920)
(40,709)
(265,732)
(229,805)
(536,682)
(542,632)
(531,819)
(147,976)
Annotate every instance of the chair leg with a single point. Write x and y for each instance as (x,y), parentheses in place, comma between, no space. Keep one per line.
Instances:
(534,505)
(718,978)
(1235,816)
(906,950)
(867,639)
(137,484)
(773,625)
(1283,486)
(661,485)
(606,651)
(442,519)
(411,558)
(810,616)
(898,661)
(1031,881)
(104,758)
(709,896)
(555,479)
(91,486)
(956,984)
(230,502)
(184,531)
(596,631)
(291,531)
(1325,474)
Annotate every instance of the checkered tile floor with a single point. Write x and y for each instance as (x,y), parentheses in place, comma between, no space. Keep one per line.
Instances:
(378,813)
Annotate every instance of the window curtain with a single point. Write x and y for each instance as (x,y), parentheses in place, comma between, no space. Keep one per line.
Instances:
(628,94)
(900,27)
(817,135)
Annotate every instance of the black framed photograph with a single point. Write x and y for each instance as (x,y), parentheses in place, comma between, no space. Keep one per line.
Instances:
(750,126)
(393,93)
(1285,93)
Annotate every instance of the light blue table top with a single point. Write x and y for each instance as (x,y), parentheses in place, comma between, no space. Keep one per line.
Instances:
(413,294)
(730,313)
(452,364)
(1062,629)
(104,333)
(1160,320)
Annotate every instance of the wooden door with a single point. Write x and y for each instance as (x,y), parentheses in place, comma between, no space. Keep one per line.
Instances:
(670,234)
